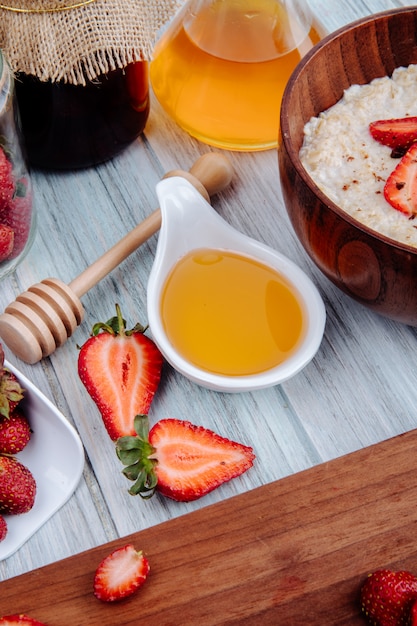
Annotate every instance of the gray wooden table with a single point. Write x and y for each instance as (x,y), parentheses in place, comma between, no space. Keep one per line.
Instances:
(360,388)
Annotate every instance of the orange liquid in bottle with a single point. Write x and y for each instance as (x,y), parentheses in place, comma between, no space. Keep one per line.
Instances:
(221,74)
(229,314)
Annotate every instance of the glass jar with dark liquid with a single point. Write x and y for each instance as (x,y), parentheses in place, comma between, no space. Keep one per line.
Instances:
(70,126)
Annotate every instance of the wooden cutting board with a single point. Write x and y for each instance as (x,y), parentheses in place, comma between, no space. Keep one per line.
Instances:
(290,553)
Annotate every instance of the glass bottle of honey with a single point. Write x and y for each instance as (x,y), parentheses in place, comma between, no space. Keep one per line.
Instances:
(220,68)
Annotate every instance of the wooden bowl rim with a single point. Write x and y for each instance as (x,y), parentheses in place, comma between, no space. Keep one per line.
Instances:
(293,154)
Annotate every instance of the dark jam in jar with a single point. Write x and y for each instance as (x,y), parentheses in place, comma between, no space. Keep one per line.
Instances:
(69,126)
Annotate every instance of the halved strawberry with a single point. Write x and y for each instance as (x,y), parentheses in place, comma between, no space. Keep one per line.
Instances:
(387,597)
(15,433)
(397,133)
(180,460)
(19,620)
(121,370)
(120,574)
(401,186)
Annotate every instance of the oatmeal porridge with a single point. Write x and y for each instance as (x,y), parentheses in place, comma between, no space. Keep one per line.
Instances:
(348,165)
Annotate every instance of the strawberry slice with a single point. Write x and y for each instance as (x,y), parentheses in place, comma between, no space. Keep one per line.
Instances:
(120,574)
(401,186)
(180,460)
(19,620)
(387,597)
(121,370)
(397,134)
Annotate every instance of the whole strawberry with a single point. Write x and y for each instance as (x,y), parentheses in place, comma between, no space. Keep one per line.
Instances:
(387,597)
(17,487)
(121,370)
(15,432)
(7,185)
(17,214)
(6,242)
(11,392)
(3,528)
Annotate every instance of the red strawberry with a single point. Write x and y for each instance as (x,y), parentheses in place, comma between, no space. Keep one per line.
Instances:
(413,614)
(19,620)
(14,433)
(11,393)
(121,371)
(120,574)
(387,597)
(7,185)
(180,460)
(401,187)
(397,134)
(18,215)
(3,528)
(6,241)
(17,487)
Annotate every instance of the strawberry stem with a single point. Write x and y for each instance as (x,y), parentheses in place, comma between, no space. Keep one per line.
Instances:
(136,453)
(116,325)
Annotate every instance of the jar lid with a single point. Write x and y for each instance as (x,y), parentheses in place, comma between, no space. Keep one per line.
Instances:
(76,41)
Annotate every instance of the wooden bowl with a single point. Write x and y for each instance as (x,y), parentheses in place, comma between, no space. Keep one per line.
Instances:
(371,268)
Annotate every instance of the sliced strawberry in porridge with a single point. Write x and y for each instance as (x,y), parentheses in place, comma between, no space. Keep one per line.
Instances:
(401,187)
(397,134)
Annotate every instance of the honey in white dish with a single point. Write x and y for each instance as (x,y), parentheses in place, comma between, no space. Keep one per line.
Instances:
(230,314)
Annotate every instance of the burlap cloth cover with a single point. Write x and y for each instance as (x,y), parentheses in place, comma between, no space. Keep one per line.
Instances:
(42,38)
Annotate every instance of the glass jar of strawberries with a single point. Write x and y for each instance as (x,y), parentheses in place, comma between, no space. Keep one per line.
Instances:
(17,214)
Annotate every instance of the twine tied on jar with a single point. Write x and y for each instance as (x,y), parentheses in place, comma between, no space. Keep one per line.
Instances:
(51,9)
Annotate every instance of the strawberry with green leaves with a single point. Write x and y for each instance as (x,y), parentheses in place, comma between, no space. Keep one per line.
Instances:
(180,460)
(388,598)
(17,487)
(11,392)
(121,370)
(120,574)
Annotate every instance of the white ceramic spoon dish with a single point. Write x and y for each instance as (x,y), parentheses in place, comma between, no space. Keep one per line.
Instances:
(190,223)
(54,455)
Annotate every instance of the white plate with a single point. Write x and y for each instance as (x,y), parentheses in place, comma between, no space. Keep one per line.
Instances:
(54,455)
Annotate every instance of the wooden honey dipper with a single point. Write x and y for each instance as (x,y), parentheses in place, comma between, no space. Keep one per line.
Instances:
(42,318)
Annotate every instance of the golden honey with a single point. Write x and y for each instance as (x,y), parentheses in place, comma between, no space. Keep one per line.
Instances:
(221,74)
(230,314)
